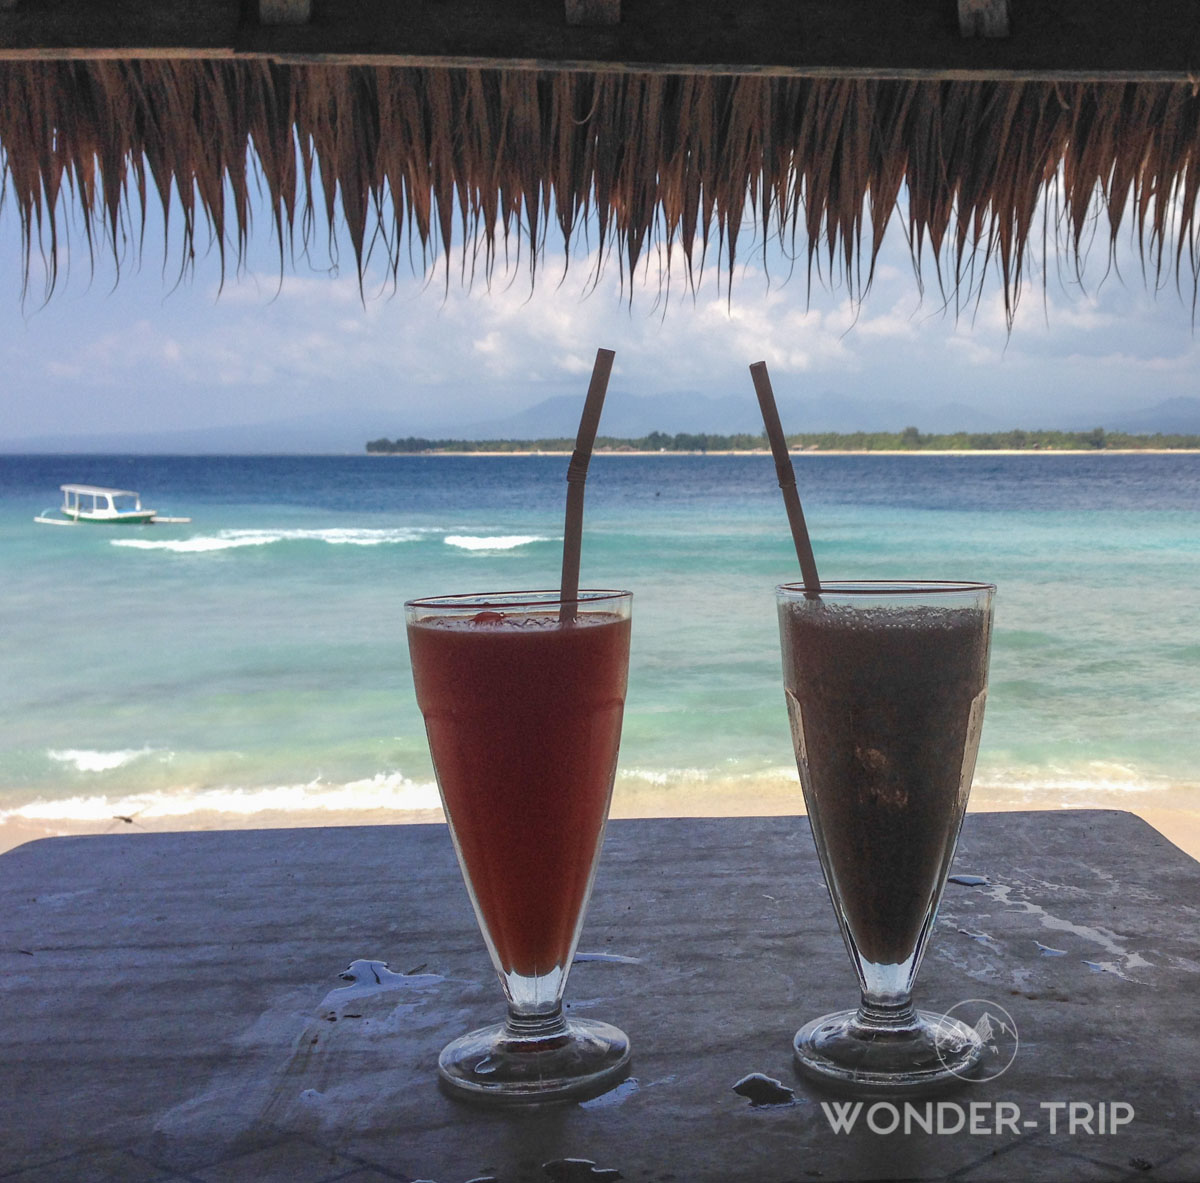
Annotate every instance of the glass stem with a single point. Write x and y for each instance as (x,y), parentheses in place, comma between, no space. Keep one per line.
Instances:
(895,1013)
(537,1027)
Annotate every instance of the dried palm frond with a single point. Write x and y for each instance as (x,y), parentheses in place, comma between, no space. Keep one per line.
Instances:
(488,162)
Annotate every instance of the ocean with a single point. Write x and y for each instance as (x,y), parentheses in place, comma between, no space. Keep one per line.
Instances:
(253,663)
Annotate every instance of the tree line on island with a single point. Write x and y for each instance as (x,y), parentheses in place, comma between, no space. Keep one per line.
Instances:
(908,440)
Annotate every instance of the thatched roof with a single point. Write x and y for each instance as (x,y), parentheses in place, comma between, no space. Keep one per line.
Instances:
(416,160)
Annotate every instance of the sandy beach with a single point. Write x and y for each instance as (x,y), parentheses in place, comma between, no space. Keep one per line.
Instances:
(1180,826)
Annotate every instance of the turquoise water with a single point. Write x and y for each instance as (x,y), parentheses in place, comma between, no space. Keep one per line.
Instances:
(255,660)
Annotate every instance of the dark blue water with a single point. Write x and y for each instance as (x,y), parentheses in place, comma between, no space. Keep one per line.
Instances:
(990,483)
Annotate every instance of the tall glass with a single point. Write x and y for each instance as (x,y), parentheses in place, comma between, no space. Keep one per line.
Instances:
(522,695)
(885,686)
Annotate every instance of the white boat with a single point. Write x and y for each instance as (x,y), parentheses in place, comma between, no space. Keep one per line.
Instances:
(95,503)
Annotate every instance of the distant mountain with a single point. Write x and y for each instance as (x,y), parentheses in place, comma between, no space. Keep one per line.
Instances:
(1180,415)
(625,414)
(631,416)
(336,432)
(628,415)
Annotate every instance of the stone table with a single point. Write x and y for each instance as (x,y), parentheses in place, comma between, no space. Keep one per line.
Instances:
(167,1009)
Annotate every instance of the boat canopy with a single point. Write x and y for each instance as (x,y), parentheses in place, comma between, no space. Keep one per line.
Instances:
(97,491)
(97,502)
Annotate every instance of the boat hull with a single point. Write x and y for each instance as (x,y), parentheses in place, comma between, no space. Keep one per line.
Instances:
(136,518)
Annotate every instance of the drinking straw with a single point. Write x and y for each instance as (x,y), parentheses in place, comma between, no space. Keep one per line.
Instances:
(576,475)
(787,478)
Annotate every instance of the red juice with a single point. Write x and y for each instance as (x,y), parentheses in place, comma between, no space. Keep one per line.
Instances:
(523,714)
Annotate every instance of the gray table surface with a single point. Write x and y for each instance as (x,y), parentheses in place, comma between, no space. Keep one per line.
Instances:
(165,1009)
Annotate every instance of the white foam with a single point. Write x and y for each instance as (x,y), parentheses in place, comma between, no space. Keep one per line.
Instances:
(659,778)
(235,539)
(87,760)
(390,791)
(189,545)
(1089,776)
(720,778)
(492,542)
(1063,785)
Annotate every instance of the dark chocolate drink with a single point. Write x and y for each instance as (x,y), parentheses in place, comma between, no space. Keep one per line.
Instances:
(886,704)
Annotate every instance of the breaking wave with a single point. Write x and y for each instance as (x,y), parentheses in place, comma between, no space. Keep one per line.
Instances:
(493,541)
(1071,780)
(234,539)
(384,791)
(88,760)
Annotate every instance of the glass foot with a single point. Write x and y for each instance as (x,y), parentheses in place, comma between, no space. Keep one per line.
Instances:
(585,1058)
(928,1053)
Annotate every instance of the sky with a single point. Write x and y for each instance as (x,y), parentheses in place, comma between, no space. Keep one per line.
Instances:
(148,353)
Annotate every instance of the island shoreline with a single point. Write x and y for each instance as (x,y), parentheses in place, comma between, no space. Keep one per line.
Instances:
(819,452)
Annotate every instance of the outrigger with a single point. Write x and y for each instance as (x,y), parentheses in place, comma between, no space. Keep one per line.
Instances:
(94,503)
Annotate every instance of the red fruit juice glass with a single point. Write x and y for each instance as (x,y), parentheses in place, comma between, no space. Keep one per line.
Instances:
(522,695)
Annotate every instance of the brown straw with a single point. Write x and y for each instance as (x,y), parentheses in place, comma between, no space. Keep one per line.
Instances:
(576,476)
(787,478)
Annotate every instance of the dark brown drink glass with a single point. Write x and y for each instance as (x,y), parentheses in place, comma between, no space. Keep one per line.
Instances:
(886,685)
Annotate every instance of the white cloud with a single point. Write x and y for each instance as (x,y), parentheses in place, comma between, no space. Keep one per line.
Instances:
(973,351)
(266,346)
(61,369)
(1131,362)
(897,324)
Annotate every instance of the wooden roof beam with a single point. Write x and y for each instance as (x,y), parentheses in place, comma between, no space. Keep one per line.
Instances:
(983,18)
(1049,39)
(593,12)
(288,12)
